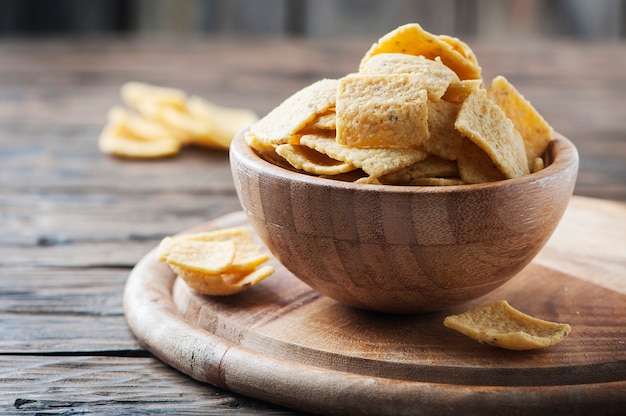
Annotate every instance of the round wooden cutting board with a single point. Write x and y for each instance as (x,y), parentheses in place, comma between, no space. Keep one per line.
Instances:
(283,342)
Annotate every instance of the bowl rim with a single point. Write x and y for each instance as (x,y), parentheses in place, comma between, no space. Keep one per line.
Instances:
(561,151)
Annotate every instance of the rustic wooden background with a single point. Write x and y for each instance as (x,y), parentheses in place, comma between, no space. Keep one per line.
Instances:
(598,19)
(74,222)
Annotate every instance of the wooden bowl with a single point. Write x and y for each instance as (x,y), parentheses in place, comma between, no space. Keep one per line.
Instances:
(403,249)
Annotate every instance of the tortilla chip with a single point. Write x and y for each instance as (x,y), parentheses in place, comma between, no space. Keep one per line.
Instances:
(483,122)
(283,122)
(538,164)
(375,111)
(221,262)
(312,161)
(202,256)
(322,124)
(222,123)
(430,167)
(221,284)
(444,140)
(139,127)
(436,77)
(114,140)
(436,182)
(535,131)
(413,40)
(475,166)
(500,325)
(461,47)
(374,162)
(458,91)
(247,253)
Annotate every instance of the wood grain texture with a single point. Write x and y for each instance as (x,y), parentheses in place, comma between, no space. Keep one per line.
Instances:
(402,249)
(63,310)
(283,342)
(68,385)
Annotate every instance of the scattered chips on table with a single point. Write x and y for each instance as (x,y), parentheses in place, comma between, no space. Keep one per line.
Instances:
(500,325)
(158,121)
(218,263)
(416,113)
(117,139)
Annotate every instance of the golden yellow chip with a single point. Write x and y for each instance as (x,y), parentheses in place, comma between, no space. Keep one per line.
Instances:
(220,262)
(312,161)
(115,141)
(189,128)
(259,145)
(475,166)
(247,252)
(535,131)
(374,162)
(221,284)
(210,257)
(500,325)
(382,111)
(538,164)
(165,119)
(431,167)
(483,122)
(458,91)
(139,127)
(460,46)
(169,117)
(222,123)
(269,154)
(284,121)
(435,76)
(413,40)
(165,246)
(444,141)
(327,121)
(322,124)
(370,180)
(195,121)
(135,93)
(436,182)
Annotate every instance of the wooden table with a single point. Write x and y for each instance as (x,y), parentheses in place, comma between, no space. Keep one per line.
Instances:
(74,222)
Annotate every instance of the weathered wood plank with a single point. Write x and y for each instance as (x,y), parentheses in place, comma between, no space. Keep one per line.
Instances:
(60,255)
(97,217)
(63,310)
(112,385)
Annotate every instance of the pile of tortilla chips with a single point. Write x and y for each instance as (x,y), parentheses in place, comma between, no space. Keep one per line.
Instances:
(218,263)
(417,112)
(157,121)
